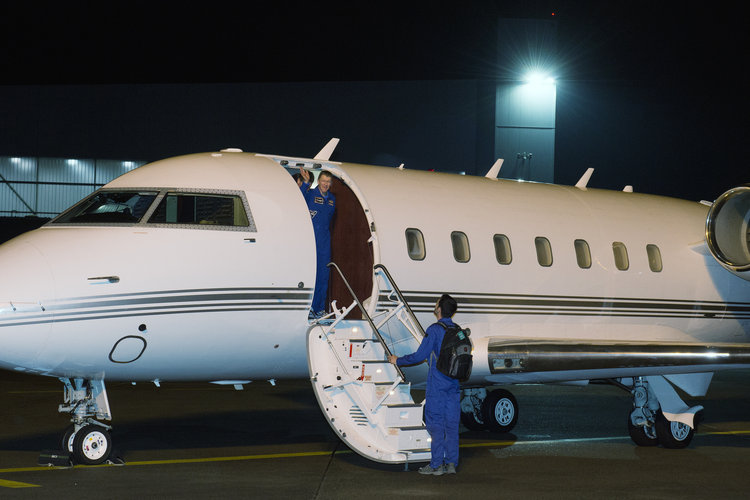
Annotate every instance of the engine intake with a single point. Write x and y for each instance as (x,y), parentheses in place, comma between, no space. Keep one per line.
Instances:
(728,230)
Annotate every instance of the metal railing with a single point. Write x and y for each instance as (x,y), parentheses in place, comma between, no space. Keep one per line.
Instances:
(368,318)
(413,318)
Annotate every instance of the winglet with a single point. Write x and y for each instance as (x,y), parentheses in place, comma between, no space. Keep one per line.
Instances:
(495,170)
(327,151)
(584,180)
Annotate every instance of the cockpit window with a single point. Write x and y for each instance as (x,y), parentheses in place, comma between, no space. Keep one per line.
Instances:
(202,209)
(110,207)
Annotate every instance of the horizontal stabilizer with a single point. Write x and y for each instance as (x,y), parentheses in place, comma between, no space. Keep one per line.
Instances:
(495,170)
(327,151)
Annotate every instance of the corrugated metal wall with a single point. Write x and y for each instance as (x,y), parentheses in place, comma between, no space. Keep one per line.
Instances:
(47,186)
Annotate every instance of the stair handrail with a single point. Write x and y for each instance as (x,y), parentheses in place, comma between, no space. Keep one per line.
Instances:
(400,297)
(388,352)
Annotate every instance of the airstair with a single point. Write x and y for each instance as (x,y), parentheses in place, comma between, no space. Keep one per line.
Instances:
(367,400)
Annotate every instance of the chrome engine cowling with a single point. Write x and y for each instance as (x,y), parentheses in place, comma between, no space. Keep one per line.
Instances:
(728,230)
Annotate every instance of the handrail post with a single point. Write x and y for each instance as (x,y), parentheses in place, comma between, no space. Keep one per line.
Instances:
(400,296)
(369,319)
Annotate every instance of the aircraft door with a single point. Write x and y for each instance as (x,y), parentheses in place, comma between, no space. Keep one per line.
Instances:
(350,248)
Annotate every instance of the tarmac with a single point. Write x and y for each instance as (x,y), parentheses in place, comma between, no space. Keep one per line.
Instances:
(198,440)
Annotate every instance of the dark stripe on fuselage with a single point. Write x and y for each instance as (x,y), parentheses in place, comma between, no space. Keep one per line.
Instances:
(164,302)
(518,304)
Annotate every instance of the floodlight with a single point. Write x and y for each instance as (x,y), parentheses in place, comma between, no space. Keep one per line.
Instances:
(538,78)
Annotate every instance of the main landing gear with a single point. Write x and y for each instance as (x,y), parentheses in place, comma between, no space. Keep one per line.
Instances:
(648,426)
(86,439)
(495,411)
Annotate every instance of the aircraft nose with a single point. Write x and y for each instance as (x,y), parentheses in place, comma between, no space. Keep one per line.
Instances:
(26,285)
(24,274)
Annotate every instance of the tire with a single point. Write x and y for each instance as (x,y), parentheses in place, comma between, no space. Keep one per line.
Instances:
(639,435)
(472,421)
(500,411)
(66,443)
(92,445)
(673,435)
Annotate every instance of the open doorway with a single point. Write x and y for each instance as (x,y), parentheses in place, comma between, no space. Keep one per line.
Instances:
(350,249)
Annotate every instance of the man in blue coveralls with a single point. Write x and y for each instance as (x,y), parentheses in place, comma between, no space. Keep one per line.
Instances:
(443,395)
(322,205)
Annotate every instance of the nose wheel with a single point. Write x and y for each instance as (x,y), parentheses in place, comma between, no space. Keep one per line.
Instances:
(91,445)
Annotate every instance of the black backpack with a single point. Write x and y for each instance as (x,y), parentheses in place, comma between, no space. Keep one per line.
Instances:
(455,357)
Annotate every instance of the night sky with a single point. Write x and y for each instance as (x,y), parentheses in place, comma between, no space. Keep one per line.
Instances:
(220,41)
(687,61)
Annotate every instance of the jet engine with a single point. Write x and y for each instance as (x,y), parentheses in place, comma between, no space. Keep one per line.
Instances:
(728,230)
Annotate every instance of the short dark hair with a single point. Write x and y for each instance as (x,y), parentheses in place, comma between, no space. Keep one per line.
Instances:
(448,305)
(326,173)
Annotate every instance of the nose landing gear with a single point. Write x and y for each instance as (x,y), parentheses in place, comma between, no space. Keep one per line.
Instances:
(86,439)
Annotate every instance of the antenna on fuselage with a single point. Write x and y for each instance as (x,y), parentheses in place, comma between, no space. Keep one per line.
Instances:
(495,170)
(584,180)
(327,151)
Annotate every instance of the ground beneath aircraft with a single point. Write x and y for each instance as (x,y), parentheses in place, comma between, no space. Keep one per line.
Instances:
(200,441)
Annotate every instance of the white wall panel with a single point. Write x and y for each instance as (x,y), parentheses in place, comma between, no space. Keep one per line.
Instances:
(18,169)
(11,204)
(51,185)
(66,170)
(56,198)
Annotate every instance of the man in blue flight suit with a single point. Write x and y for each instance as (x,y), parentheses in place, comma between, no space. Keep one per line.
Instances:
(322,205)
(443,395)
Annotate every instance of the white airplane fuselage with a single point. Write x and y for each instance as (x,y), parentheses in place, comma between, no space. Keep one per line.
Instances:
(169,302)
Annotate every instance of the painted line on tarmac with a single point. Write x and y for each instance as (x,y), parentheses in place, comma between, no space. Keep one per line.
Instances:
(271,456)
(182,461)
(584,440)
(724,433)
(15,484)
(540,441)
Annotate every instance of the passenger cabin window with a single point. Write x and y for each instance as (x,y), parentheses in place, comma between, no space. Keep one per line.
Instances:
(583,253)
(621,255)
(654,258)
(109,207)
(200,209)
(503,253)
(415,244)
(543,251)
(460,246)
